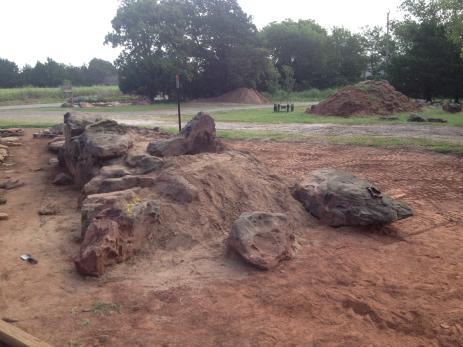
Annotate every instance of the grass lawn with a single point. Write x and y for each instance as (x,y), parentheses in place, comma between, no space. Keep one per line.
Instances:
(35,95)
(444,147)
(267,116)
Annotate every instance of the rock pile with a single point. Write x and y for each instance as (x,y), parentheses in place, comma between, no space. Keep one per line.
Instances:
(140,190)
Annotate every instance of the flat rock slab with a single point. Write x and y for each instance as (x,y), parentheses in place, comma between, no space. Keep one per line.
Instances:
(338,198)
(262,239)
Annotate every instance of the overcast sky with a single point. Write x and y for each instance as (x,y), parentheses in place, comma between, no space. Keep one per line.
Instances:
(73,32)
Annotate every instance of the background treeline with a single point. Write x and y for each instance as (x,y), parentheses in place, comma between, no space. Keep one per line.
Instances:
(53,74)
(215,47)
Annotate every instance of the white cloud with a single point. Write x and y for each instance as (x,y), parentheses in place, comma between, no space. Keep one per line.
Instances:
(73,31)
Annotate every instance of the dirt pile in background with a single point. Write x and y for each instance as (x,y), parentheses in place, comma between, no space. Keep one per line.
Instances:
(363,99)
(241,96)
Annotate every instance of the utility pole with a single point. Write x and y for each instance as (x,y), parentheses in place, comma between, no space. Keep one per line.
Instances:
(387,41)
(177,84)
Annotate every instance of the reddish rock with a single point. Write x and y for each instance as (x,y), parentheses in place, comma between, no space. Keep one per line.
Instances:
(262,239)
(116,234)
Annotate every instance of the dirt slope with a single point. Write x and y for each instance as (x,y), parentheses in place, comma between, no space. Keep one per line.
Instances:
(241,96)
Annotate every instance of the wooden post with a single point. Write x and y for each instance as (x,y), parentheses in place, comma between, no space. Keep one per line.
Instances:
(16,337)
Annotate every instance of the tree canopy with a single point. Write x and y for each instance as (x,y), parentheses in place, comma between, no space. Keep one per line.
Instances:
(212,44)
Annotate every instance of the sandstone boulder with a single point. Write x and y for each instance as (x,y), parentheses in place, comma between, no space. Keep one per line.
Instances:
(85,154)
(198,136)
(11,132)
(338,198)
(116,234)
(143,164)
(56,145)
(114,171)
(96,203)
(176,188)
(262,239)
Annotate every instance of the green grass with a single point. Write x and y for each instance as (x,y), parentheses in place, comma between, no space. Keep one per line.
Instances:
(267,116)
(444,147)
(25,124)
(31,95)
(313,94)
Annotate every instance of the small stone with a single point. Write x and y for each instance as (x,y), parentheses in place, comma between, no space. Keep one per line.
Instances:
(53,162)
(11,183)
(445,326)
(48,209)
(2,200)
(62,179)
(3,216)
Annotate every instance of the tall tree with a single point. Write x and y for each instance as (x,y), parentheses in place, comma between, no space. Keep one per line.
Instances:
(427,63)
(212,44)
(9,74)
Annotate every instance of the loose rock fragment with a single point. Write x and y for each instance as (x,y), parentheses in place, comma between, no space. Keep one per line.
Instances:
(3,216)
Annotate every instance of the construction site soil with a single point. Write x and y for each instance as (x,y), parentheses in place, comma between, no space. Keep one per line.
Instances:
(399,286)
(364,99)
(240,96)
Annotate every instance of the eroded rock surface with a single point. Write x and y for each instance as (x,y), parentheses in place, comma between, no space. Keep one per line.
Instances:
(116,231)
(198,136)
(96,143)
(262,239)
(338,198)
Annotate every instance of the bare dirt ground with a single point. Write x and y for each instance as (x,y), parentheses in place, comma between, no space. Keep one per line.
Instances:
(399,287)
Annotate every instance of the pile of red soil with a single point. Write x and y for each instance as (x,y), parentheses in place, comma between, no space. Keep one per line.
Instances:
(241,96)
(362,99)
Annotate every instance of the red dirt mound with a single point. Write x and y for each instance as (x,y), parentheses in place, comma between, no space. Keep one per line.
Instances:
(365,98)
(241,96)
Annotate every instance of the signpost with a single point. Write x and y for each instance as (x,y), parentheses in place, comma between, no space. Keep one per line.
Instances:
(177,80)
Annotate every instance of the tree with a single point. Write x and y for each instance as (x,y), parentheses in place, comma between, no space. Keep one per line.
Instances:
(100,71)
(303,46)
(212,44)
(346,58)
(375,41)
(9,74)
(427,63)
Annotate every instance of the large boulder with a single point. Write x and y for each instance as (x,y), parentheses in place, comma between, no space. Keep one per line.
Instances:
(89,146)
(198,136)
(338,198)
(262,239)
(117,232)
